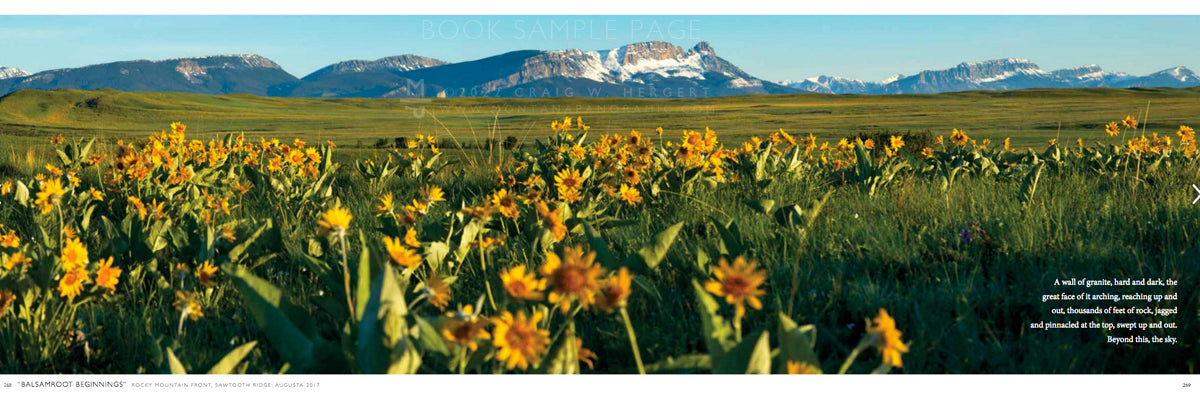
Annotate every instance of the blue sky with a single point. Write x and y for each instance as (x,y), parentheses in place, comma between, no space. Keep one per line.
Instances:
(770,47)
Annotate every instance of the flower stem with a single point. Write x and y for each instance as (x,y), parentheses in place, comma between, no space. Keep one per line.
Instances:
(488,285)
(346,274)
(853,355)
(61,227)
(483,264)
(637,354)
(182,317)
(737,327)
(570,318)
(462,360)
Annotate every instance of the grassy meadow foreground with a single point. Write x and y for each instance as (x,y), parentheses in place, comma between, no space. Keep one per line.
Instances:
(581,250)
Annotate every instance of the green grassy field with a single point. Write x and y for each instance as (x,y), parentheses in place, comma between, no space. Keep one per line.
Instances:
(960,261)
(1029,117)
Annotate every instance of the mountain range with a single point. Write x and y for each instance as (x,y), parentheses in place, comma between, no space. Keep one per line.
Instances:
(647,69)
(1000,74)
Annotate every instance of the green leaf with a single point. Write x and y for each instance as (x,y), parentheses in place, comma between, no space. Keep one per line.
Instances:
(469,232)
(603,254)
(66,159)
(763,206)
(789,216)
(797,343)
(429,338)
(382,331)
(731,238)
(22,194)
(363,291)
(275,316)
(317,265)
(702,260)
(235,254)
(751,356)
(232,359)
(435,253)
(717,332)
(87,149)
(405,359)
(654,253)
(1029,184)
(174,364)
(371,356)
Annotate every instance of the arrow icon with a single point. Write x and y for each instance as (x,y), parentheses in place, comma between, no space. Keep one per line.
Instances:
(1197,194)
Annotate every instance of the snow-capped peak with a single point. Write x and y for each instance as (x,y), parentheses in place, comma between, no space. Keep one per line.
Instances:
(1183,74)
(893,78)
(12,72)
(654,57)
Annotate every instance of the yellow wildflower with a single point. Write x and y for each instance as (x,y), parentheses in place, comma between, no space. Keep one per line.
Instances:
(1112,129)
(15,259)
(574,277)
(385,205)
(505,202)
(71,283)
(107,276)
(518,340)
(630,195)
(615,291)
(568,179)
(521,284)
(437,291)
(552,220)
(50,195)
(10,240)
(139,206)
(205,273)
(433,194)
(74,255)
(958,137)
(886,339)
(336,219)
(739,284)
(1129,122)
(464,327)
(188,305)
(401,255)
(410,238)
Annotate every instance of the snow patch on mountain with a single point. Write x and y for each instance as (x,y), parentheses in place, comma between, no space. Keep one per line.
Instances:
(618,66)
(739,83)
(12,72)
(190,70)
(1183,74)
